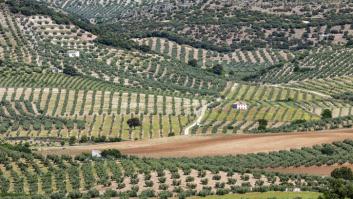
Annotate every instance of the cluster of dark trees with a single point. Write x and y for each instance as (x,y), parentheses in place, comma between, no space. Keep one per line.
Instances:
(262,124)
(326,114)
(111,153)
(85,139)
(70,70)
(341,184)
(134,122)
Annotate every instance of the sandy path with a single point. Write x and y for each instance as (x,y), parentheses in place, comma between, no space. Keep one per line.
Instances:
(212,145)
(198,121)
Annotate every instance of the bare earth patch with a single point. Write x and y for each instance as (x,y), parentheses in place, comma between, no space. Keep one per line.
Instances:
(312,170)
(212,145)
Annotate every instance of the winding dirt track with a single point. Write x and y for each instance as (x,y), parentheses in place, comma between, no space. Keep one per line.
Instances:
(193,146)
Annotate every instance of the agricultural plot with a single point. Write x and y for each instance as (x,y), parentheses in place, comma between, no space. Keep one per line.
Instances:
(316,64)
(171,176)
(13,45)
(315,125)
(39,45)
(22,116)
(278,105)
(335,87)
(101,11)
(208,58)
(329,86)
(105,113)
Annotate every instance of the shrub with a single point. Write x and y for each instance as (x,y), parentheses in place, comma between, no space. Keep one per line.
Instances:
(72,140)
(111,153)
(69,70)
(134,122)
(343,172)
(327,149)
(193,62)
(326,114)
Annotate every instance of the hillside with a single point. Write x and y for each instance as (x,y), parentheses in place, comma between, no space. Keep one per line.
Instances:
(223,25)
(262,87)
(162,81)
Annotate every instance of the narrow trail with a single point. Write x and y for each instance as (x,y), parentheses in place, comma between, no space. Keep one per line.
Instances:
(197,121)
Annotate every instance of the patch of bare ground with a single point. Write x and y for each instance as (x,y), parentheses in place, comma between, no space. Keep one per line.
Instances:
(195,146)
(324,170)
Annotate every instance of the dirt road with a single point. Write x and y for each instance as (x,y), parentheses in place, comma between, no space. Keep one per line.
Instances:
(192,146)
(197,121)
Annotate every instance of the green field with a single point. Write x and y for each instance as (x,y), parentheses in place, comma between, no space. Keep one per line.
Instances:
(272,195)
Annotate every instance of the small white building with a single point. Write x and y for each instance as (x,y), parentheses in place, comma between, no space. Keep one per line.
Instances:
(54,69)
(73,53)
(295,189)
(240,106)
(96,154)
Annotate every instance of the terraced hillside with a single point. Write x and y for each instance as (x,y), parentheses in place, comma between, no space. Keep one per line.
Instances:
(328,86)
(314,64)
(161,89)
(206,58)
(139,85)
(105,113)
(43,45)
(277,105)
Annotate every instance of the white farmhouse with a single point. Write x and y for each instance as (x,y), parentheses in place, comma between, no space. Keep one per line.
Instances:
(240,106)
(295,189)
(73,53)
(54,69)
(96,154)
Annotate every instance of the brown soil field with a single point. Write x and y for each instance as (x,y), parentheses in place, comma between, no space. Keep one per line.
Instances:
(312,170)
(193,146)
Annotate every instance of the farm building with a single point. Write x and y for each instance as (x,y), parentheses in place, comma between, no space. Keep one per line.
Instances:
(295,189)
(240,106)
(96,153)
(73,53)
(55,70)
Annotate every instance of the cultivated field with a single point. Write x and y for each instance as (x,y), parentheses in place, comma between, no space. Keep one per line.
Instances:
(212,145)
